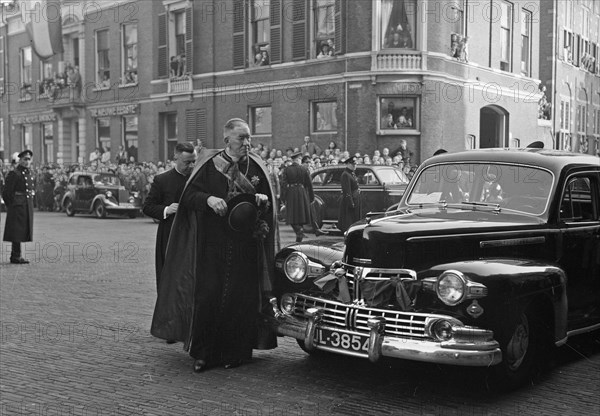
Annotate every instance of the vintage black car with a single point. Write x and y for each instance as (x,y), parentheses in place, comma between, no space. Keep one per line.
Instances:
(491,258)
(380,188)
(99,194)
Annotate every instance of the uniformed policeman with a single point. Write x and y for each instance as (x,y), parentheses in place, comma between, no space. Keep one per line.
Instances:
(18,195)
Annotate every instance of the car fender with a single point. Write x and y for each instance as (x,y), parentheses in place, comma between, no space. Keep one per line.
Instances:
(514,284)
(67,195)
(100,197)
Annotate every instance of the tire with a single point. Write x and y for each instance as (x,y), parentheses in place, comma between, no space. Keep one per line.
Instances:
(69,208)
(99,210)
(524,344)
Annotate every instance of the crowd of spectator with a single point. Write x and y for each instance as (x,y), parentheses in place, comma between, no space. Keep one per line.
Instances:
(52,178)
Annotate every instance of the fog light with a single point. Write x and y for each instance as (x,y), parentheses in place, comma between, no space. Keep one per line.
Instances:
(441,330)
(287,304)
(108,194)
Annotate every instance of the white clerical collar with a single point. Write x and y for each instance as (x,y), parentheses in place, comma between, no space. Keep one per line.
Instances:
(233,158)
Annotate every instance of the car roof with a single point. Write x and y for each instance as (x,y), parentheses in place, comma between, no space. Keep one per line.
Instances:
(554,160)
(341,166)
(93,173)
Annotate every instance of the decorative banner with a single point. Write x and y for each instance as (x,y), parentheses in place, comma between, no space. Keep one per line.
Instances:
(43,22)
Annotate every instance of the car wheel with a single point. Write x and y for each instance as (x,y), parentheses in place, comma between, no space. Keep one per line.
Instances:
(523,345)
(100,210)
(69,208)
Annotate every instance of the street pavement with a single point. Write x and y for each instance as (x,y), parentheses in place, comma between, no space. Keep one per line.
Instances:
(75,340)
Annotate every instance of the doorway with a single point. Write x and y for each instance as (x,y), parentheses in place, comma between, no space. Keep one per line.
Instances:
(493,127)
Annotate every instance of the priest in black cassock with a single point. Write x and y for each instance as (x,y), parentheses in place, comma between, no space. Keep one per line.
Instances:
(219,263)
(163,199)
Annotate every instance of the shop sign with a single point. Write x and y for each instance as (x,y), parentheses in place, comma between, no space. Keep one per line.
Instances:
(119,110)
(34,118)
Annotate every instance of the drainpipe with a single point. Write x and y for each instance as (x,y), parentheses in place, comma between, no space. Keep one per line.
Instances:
(555,47)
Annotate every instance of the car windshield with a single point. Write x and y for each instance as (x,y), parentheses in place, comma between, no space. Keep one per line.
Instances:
(107,180)
(392,177)
(519,188)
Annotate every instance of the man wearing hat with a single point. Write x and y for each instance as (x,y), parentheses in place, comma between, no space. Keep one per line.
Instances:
(219,261)
(350,205)
(18,195)
(297,192)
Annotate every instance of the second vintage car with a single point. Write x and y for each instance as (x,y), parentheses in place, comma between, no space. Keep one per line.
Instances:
(99,193)
(491,258)
(380,187)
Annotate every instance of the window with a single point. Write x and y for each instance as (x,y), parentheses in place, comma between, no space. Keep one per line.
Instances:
(526,43)
(46,78)
(26,137)
(260,33)
(567,46)
(581,128)
(324,28)
(568,12)
(398,23)
(26,78)
(397,113)
(130,64)
(1,138)
(179,18)
(260,120)
(130,135)
(103,133)
(506,21)
(47,142)
(170,135)
(577,203)
(324,117)
(102,59)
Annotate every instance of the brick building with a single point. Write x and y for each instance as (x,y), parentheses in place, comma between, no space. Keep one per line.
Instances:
(570,49)
(364,74)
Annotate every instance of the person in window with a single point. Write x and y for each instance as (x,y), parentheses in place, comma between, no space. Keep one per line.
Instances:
(404,120)
(174,66)
(182,70)
(325,51)
(394,41)
(264,58)
(387,122)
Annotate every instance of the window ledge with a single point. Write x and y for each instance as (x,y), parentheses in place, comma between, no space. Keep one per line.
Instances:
(399,132)
(25,99)
(101,88)
(131,84)
(325,132)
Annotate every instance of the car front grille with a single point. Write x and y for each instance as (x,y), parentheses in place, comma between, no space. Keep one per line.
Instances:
(355,317)
(123,196)
(368,275)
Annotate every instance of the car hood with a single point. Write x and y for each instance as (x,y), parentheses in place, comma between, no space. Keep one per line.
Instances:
(416,237)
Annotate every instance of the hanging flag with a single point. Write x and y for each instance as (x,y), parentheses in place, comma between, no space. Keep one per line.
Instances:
(43,22)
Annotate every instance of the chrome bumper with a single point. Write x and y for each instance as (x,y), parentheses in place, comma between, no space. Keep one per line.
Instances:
(476,354)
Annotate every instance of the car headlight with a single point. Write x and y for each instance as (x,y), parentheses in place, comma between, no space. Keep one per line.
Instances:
(108,194)
(295,267)
(451,287)
(136,194)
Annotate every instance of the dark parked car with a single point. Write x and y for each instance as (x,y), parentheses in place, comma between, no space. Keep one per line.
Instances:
(101,194)
(380,187)
(491,258)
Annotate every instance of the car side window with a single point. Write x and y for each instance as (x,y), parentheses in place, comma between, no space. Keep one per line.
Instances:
(366,177)
(333,177)
(319,178)
(579,202)
(72,181)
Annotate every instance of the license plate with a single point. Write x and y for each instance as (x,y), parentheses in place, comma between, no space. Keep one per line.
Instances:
(342,340)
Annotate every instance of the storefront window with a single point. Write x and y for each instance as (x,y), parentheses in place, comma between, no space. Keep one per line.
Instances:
(130,136)
(103,134)
(48,142)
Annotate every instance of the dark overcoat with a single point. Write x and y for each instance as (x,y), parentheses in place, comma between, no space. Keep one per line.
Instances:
(165,190)
(184,271)
(297,191)
(18,196)
(350,200)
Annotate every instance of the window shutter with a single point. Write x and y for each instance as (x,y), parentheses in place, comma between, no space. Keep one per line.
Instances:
(275,16)
(239,26)
(195,123)
(189,40)
(299,29)
(190,125)
(163,58)
(340,14)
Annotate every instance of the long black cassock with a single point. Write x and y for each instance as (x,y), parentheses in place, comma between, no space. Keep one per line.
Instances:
(213,278)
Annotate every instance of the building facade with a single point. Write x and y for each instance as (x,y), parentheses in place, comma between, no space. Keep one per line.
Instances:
(572,72)
(453,74)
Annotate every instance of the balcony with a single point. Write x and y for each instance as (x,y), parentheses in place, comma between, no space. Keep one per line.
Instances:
(180,85)
(390,60)
(66,97)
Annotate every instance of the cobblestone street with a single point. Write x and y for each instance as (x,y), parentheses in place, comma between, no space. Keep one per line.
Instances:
(75,341)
